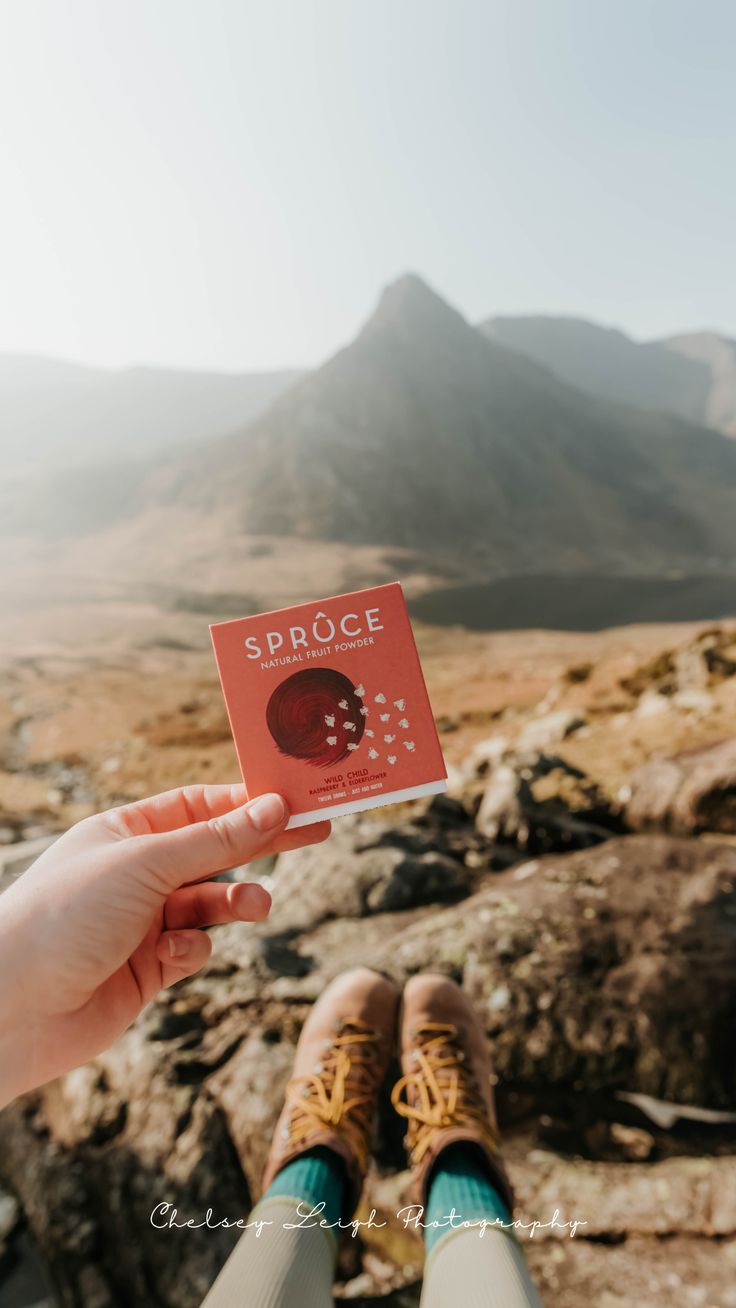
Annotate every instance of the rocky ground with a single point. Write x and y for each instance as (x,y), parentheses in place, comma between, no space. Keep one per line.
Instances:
(578,879)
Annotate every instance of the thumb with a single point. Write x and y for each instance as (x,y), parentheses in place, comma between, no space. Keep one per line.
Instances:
(182,953)
(202,849)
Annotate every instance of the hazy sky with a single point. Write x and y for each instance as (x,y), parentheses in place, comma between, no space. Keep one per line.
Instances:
(228,183)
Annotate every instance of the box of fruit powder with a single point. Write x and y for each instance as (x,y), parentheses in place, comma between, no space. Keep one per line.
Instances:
(328,705)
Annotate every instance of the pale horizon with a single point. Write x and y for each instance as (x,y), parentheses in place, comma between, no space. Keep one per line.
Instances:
(228,188)
(288,366)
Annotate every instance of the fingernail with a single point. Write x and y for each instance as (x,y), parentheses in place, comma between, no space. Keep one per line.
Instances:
(266,812)
(252,902)
(179,946)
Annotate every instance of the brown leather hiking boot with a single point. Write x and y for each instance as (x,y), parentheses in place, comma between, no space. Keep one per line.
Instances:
(341,1059)
(445,1093)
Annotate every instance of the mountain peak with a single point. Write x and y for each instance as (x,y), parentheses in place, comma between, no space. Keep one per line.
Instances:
(409,303)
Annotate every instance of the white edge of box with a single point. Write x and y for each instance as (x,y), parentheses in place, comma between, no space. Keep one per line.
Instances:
(360,805)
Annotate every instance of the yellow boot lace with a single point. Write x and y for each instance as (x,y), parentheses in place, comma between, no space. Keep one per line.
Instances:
(341,1091)
(441,1093)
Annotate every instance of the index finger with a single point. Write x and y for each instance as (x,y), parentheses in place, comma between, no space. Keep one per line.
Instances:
(182,807)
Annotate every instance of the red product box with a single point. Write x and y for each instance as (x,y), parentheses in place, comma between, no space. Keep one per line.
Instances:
(328,706)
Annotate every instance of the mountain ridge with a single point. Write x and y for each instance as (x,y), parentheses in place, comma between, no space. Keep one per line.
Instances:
(690,374)
(64,412)
(422,433)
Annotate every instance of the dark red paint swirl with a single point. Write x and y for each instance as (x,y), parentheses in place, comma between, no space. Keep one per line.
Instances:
(296,714)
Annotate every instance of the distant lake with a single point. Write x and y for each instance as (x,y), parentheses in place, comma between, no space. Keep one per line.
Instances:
(577,602)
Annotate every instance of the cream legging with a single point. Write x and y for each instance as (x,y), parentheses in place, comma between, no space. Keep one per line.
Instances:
(284,1268)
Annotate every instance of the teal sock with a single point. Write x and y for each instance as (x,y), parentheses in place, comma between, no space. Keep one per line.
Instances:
(315,1177)
(460,1181)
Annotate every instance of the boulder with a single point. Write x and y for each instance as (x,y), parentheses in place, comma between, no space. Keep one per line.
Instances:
(366,867)
(544,732)
(9,1220)
(687,794)
(540,803)
(601,969)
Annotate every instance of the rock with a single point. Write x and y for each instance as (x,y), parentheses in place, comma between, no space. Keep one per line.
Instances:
(84,1193)
(681,1271)
(501,814)
(542,733)
(578,673)
(672,1206)
(635,1144)
(487,754)
(691,670)
(693,1196)
(632,939)
(38,831)
(426,879)
(689,793)
(719,653)
(709,658)
(443,812)
(366,867)
(540,803)
(455,779)
(9,1219)
(447,723)
(694,701)
(651,705)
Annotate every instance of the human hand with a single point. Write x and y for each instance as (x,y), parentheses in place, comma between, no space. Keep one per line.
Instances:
(112,912)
